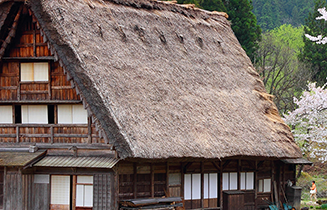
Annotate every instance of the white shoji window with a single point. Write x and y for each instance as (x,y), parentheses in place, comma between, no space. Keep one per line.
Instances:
(34,72)
(72,114)
(84,191)
(37,114)
(230,181)
(264,185)
(247,180)
(6,114)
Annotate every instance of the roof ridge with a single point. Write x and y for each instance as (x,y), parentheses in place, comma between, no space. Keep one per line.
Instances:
(173,6)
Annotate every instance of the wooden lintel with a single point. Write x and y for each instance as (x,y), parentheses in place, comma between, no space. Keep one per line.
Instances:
(78,146)
(44,58)
(42,102)
(259,164)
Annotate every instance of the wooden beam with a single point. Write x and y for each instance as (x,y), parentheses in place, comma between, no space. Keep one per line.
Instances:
(182,181)
(34,40)
(255,185)
(17,134)
(167,179)
(41,101)
(52,135)
(74,192)
(152,180)
(221,185)
(89,130)
(135,180)
(238,174)
(11,33)
(202,185)
(44,58)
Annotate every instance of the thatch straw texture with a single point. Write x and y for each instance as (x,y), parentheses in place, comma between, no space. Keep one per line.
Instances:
(165,80)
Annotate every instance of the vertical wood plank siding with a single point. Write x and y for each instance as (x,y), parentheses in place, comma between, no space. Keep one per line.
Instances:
(58,88)
(14,191)
(104,192)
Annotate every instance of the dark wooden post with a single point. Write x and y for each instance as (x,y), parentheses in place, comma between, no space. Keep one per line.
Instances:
(152,180)
(202,185)
(221,185)
(135,180)
(167,179)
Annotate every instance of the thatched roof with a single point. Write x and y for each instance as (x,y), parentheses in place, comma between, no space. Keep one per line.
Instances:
(164,80)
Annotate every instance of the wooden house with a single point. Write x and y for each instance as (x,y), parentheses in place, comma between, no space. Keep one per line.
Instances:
(109,100)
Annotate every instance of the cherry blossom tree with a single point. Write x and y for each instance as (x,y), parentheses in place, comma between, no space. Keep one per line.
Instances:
(319,39)
(309,122)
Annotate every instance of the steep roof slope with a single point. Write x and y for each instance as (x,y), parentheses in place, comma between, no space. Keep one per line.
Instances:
(164,80)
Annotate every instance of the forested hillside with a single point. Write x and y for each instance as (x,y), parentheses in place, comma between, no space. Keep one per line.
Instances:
(273,13)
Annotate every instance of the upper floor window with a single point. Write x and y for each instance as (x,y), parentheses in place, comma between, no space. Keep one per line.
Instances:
(37,114)
(36,72)
(72,114)
(6,114)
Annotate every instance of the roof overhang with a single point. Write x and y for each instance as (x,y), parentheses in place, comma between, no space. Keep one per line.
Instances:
(297,161)
(77,162)
(20,158)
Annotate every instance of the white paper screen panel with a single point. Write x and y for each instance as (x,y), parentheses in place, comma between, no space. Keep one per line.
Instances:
(266,185)
(26,72)
(260,185)
(65,114)
(88,198)
(213,183)
(243,181)
(84,195)
(196,186)
(60,190)
(72,114)
(34,72)
(41,72)
(79,114)
(6,114)
(85,179)
(233,181)
(206,186)
(250,180)
(187,187)
(225,181)
(35,114)
(79,195)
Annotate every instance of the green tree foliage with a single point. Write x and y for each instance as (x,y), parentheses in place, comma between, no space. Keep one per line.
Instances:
(283,74)
(244,25)
(244,22)
(273,13)
(313,53)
